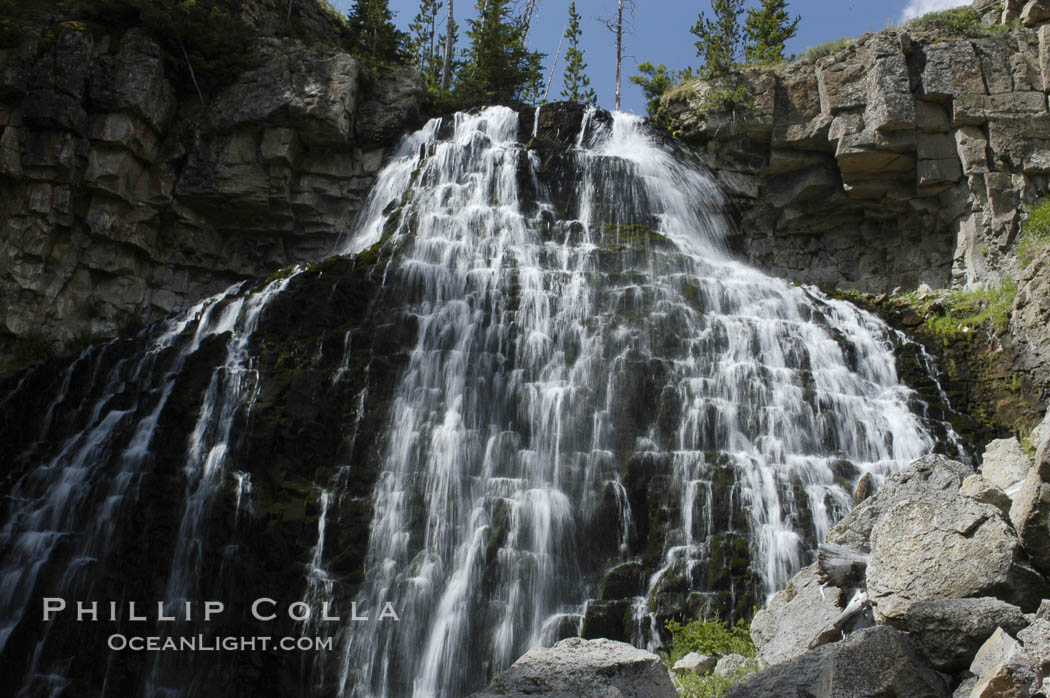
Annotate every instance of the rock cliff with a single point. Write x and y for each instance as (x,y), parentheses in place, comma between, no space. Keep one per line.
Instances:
(120,203)
(899,159)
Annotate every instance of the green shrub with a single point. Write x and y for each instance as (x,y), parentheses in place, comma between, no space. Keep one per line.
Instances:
(814,53)
(715,638)
(724,100)
(1035,233)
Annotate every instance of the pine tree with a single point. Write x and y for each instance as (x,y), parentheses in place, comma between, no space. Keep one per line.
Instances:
(718,40)
(424,48)
(767,29)
(577,84)
(373,36)
(498,68)
(654,81)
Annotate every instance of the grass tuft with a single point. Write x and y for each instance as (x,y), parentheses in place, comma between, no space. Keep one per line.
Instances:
(1035,234)
(814,53)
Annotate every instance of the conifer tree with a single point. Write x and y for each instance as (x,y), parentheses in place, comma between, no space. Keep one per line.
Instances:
(718,40)
(577,85)
(424,47)
(767,29)
(373,36)
(499,67)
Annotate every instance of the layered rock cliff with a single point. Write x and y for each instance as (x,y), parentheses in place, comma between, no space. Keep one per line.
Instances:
(120,203)
(902,158)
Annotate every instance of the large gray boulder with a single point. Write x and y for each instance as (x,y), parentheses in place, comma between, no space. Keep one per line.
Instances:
(950,631)
(931,478)
(1030,515)
(577,667)
(1004,669)
(1036,641)
(795,617)
(879,661)
(1005,463)
(923,550)
(694,663)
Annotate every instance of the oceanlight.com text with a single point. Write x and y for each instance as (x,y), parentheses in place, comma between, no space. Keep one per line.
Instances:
(200,643)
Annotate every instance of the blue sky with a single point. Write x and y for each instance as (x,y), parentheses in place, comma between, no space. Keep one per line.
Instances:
(661,32)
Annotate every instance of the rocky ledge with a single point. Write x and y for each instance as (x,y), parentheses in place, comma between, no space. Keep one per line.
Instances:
(934,586)
(900,159)
(120,203)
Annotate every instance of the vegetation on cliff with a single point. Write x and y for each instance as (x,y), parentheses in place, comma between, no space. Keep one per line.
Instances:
(1035,233)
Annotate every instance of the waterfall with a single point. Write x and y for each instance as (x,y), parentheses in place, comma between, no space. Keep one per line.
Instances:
(532,383)
(601,420)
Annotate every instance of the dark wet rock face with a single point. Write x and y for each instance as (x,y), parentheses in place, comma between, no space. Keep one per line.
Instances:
(119,204)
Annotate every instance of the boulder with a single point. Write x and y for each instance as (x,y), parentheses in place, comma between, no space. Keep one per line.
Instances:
(694,663)
(980,490)
(1030,515)
(879,661)
(932,478)
(1004,669)
(1035,12)
(1036,641)
(732,663)
(924,550)
(578,667)
(965,688)
(794,617)
(1004,463)
(950,631)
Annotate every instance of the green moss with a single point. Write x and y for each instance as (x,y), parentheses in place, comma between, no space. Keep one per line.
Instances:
(281,273)
(1035,233)
(631,233)
(951,315)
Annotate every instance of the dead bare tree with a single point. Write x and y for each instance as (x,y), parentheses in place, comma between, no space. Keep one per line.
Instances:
(446,68)
(526,17)
(616,26)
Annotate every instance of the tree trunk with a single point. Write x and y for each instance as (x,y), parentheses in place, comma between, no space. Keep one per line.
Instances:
(839,566)
(446,69)
(619,49)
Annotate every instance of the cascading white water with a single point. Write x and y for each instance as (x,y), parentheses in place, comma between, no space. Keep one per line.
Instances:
(504,428)
(579,338)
